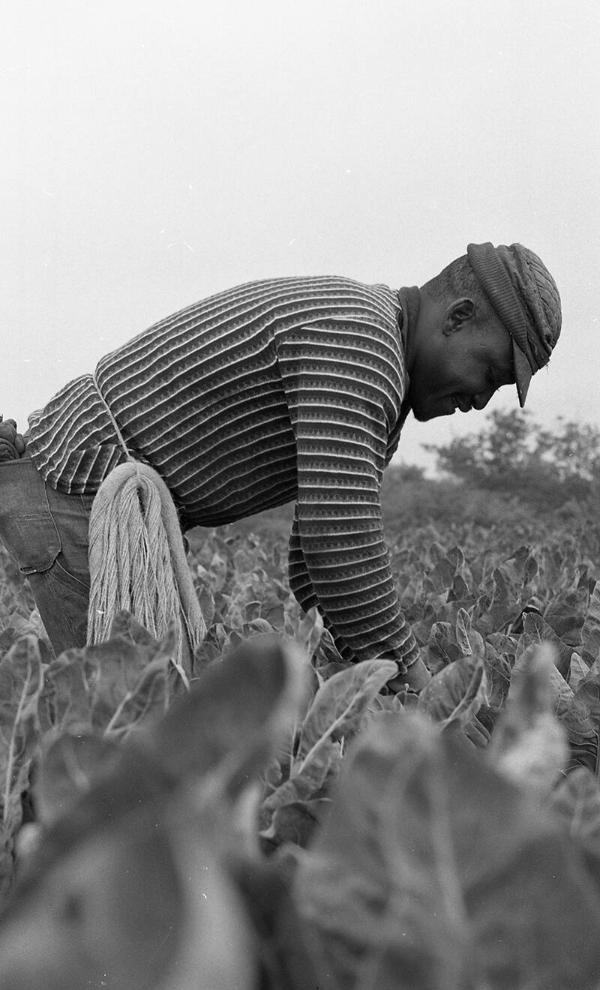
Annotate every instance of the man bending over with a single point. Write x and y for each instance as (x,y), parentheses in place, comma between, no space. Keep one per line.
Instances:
(289,389)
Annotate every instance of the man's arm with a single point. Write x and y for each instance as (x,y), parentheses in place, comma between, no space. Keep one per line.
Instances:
(416,675)
(339,404)
(12,445)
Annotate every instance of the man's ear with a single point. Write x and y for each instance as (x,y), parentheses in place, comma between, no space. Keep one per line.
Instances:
(458,313)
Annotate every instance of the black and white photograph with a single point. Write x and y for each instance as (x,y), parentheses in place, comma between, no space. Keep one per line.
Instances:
(299,495)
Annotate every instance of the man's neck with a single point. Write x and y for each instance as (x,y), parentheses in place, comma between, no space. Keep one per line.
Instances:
(410,300)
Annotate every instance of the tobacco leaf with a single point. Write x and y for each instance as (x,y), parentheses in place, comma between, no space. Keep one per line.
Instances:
(114,686)
(297,821)
(590,632)
(456,693)
(576,802)
(536,630)
(340,704)
(136,905)
(529,743)
(578,671)
(71,765)
(21,682)
(307,777)
(431,864)
(238,712)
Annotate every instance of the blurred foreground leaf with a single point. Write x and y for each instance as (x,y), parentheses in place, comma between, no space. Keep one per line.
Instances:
(21,682)
(529,743)
(70,767)
(129,888)
(433,866)
(146,905)
(576,800)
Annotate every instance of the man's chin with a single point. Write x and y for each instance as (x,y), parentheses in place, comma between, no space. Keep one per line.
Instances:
(424,414)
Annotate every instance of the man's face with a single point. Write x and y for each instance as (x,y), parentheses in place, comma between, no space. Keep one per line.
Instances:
(460,370)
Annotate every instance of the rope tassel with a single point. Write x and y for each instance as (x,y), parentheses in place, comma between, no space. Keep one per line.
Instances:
(138,562)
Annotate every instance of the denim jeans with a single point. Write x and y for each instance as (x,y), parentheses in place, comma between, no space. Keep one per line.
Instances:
(46,533)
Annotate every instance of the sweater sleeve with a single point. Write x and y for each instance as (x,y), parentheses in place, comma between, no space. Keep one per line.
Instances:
(344,388)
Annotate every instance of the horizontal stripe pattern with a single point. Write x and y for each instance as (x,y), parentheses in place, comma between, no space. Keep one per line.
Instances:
(268,392)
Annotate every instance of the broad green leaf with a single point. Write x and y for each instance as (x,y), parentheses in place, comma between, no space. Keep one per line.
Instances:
(207,604)
(536,757)
(135,782)
(340,704)
(217,950)
(588,693)
(590,632)
(498,671)
(456,557)
(372,873)
(475,730)
(516,565)
(566,615)
(218,571)
(501,590)
(537,630)
(459,592)
(138,907)
(243,562)
(456,693)
(21,682)
(148,699)
(251,611)
(96,686)
(575,712)
(297,821)
(547,680)
(442,645)
(70,767)
(442,575)
(505,645)
(309,631)
(286,952)
(578,671)
(529,744)
(463,629)
(576,800)
(307,778)
(7,863)
(272,612)
(66,704)
(426,855)
(238,713)
(477,643)
(126,626)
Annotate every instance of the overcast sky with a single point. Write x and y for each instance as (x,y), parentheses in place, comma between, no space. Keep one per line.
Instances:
(154,153)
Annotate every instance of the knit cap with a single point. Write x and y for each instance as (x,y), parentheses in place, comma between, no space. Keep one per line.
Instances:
(524,296)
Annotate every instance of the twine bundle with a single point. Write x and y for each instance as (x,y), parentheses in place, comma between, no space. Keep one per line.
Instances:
(137,560)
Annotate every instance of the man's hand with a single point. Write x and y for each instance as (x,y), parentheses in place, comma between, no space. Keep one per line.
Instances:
(12,445)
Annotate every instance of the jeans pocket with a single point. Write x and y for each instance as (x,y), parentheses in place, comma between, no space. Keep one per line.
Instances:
(27,527)
(33,541)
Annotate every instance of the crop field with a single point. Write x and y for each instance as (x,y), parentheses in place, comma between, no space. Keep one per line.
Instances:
(274,818)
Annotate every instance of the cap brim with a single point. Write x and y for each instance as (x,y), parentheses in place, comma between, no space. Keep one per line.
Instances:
(523,373)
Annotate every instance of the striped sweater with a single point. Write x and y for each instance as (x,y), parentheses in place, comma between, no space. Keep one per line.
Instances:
(278,390)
